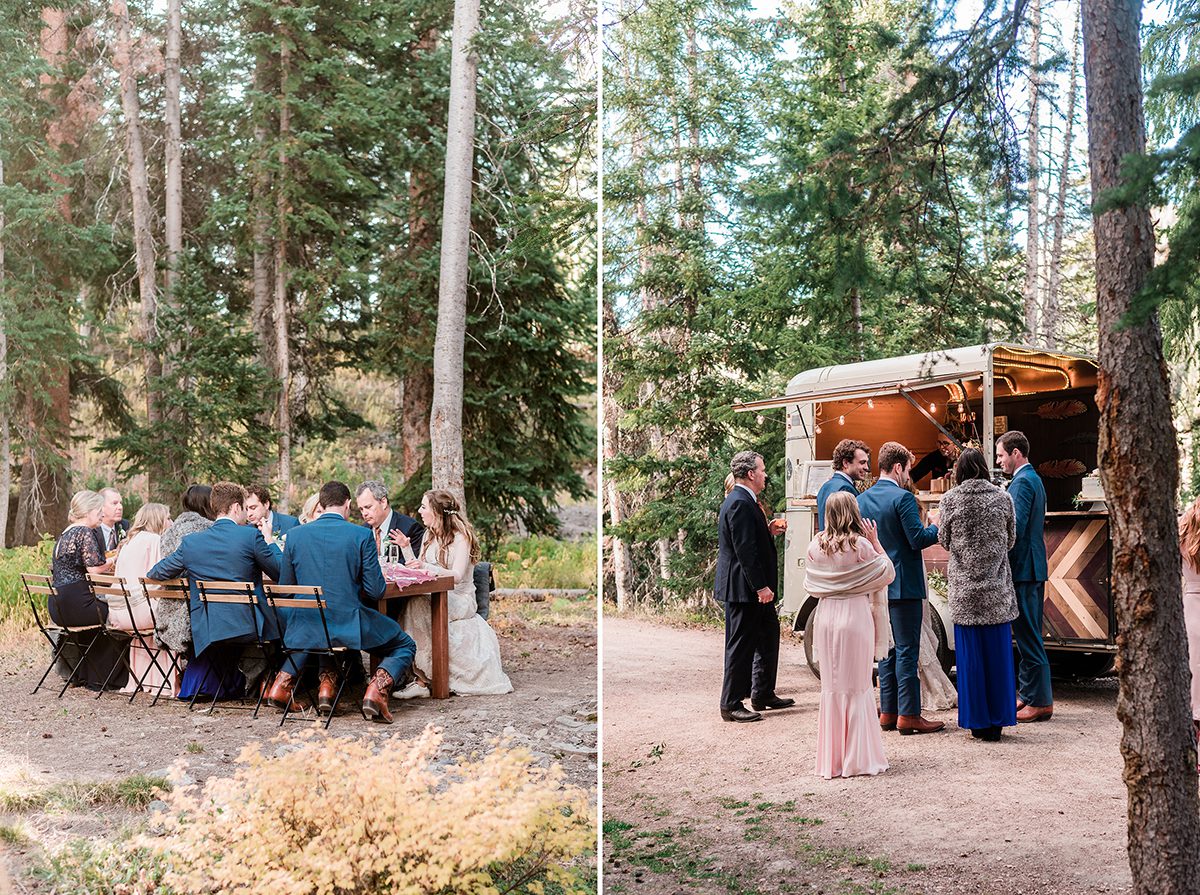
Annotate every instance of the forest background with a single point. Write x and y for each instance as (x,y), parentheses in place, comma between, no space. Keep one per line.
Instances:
(795,185)
(268,313)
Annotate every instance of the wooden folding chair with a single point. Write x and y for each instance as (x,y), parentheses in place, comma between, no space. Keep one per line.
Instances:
(43,586)
(238,593)
(171,589)
(308,598)
(110,589)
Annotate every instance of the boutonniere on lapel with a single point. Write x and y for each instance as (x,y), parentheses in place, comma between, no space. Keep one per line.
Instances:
(122,534)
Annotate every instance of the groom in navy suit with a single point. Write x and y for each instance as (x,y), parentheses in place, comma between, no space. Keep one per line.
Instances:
(1035,702)
(894,509)
(851,463)
(747,575)
(341,558)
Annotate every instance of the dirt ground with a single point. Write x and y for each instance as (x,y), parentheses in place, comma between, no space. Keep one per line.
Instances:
(692,803)
(548,651)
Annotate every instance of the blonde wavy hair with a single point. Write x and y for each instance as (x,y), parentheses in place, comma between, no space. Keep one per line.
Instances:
(1189,535)
(152,517)
(843,524)
(448,521)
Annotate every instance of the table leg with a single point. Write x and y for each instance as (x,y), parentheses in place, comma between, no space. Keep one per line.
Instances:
(439,607)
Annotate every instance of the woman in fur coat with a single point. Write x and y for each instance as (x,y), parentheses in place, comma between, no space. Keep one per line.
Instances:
(977,526)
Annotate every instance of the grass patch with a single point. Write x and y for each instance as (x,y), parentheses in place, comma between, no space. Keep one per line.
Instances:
(914,868)
(136,791)
(87,868)
(14,603)
(670,852)
(536,561)
(561,612)
(194,747)
(13,834)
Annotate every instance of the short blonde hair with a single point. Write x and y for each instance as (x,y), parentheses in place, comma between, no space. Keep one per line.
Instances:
(84,502)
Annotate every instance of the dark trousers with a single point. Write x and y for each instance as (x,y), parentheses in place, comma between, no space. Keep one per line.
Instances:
(751,652)
(395,656)
(1033,671)
(899,686)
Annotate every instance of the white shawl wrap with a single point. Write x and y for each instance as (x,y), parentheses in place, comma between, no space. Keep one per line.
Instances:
(872,578)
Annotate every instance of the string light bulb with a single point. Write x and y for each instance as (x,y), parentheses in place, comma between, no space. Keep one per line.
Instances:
(818,430)
(841,421)
(871,403)
(932,407)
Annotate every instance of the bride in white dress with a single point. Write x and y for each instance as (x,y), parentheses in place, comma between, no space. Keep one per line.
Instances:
(450,548)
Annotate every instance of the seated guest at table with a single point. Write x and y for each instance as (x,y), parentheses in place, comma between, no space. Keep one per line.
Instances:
(139,552)
(340,557)
(228,551)
(76,554)
(113,527)
(978,528)
(174,627)
(312,508)
(372,500)
(258,508)
(450,548)
(1189,547)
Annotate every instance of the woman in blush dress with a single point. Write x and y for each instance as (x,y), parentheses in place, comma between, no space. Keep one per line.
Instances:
(1189,546)
(450,548)
(848,571)
(141,549)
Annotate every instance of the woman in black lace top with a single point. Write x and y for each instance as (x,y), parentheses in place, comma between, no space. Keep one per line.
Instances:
(76,553)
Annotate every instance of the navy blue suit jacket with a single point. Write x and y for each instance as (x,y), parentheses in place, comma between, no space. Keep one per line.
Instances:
(225,552)
(837,483)
(122,528)
(1028,554)
(746,557)
(903,537)
(282,522)
(340,557)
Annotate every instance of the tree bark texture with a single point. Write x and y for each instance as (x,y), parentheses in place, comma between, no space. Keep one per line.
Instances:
(1054,285)
(5,390)
(139,188)
(262,299)
(618,550)
(1033,190)
(445,419)
(282,358)
(173,186)
(1140,470)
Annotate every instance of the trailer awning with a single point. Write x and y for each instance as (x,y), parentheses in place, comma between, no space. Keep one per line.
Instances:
(843,392)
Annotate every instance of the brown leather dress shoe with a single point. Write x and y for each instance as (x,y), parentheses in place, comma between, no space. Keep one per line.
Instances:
(1035,713)
(887,720)
(910,724)
(375,700)
(326,692)
(282,694)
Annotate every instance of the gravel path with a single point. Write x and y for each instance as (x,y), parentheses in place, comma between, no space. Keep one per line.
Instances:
(1041,811)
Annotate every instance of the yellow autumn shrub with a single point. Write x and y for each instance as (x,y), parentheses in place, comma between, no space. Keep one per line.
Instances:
(330,815)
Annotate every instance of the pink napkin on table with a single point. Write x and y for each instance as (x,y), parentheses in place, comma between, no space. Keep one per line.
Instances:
(403,576)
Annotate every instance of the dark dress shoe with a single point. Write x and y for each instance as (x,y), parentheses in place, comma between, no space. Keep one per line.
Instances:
(1035,713)
(739,713)
(910,724)
(771,702)
(987,734)
(887,721)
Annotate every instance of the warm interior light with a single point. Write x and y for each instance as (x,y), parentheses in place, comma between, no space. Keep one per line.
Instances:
(932,407)
(871,403)
(841,421)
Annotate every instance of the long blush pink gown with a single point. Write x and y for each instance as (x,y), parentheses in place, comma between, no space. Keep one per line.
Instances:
(849,741)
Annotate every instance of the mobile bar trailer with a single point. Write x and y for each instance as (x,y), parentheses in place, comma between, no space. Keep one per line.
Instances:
(965,394)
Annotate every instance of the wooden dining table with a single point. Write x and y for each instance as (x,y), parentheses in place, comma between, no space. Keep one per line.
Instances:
(439,600)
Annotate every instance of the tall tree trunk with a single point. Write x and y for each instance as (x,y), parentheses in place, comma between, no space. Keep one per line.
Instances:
(262,301)
(282,356)
(174,150)
(143,236)
(1033,220)
(46,495)
(416,388)
(445,419)
(1139,467)
(1050,313)
(5,389)
(618,550)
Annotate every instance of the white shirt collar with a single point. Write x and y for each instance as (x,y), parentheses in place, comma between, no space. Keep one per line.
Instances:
(748,490)
(1019,468)
(843,475)
(385,525)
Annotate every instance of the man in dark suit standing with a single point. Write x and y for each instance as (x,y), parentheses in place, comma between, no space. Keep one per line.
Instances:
(747,574)
(341,558)
(1035,702)
(259,507)
(228,551)
(851,463)
(894,509)
(113,526)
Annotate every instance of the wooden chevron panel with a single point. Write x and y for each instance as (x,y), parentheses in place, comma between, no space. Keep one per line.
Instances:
(1077,596)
